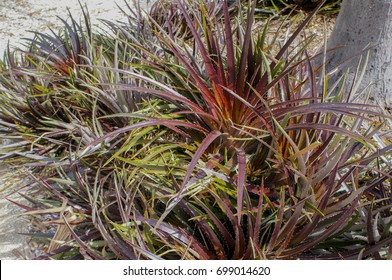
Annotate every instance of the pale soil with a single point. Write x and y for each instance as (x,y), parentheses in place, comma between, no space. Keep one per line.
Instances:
(17,17)
(13,244)
(317,32)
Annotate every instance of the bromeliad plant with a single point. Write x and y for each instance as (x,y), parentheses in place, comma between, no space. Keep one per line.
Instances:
(232,150)
(266,118)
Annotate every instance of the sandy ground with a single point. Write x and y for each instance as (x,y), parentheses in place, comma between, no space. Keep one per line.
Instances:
(13,245)
(17,17)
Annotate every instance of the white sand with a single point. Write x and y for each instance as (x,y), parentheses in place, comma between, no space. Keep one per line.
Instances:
(17,17)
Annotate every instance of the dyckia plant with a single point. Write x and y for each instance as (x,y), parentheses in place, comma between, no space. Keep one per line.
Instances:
(193,135)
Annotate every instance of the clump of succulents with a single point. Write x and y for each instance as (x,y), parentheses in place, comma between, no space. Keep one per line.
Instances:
(184,134)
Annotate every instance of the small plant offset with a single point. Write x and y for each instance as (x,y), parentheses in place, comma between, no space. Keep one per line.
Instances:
(187,133)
